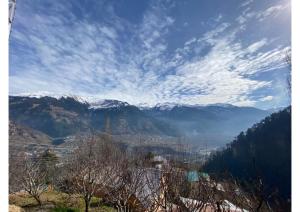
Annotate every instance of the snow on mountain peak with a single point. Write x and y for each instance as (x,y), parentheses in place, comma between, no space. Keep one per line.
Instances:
(226,105)
(107,103)
(96,102)
(165,106)
(56,96)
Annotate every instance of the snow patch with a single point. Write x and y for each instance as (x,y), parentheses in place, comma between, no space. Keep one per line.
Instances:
(107,103)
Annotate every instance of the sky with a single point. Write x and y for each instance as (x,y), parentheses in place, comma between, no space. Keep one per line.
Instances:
(148,52)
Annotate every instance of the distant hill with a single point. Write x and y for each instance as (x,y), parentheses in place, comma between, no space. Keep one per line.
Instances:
(264,150)
(23,138)
(67,116)
(208,124)
(213,125)
(53,117)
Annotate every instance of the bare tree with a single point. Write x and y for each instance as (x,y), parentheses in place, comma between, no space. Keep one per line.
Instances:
(29,176)
(81,171)
(252,195)
(261,197)
(14,174)
(126,187)
(198,195)
(99,168)
(177,193)
(165,186)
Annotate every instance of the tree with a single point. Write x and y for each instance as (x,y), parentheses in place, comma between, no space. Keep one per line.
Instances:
(81,171)
(126,185)
(96,168)
(29,176)
(176,192)
(183,195)
(261,160)
(49,162)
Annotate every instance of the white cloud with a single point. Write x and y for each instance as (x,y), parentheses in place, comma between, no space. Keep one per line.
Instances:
(271,11)
(257,45)
(246,3)
(88,58)
(241,19)
(266,98)
(261,15)
(218,18)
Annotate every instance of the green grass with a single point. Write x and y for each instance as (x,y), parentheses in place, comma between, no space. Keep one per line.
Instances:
(63,209)
(58,202)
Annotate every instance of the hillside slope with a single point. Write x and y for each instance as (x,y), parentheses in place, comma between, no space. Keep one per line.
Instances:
(23,138)
(66,116)
(262,151)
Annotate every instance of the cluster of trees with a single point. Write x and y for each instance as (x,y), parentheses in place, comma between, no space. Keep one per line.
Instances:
(125,180)
(261,156)
(32,174)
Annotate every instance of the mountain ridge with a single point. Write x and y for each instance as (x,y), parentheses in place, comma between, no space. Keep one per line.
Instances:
(64,116)
(96,102)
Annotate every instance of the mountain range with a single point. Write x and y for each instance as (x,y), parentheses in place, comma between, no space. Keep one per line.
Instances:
(211,125)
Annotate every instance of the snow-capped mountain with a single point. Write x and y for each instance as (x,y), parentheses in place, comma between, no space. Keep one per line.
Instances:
(107,103)
(64,115)
(41,94)
(93,101)
(169,106)
(96,102)
(165,106)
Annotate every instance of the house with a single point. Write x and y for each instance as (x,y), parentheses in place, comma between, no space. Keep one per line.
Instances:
(158,161)
(194,176)
(204,175)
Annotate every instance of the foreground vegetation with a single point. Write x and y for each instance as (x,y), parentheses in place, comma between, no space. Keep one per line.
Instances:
(54,201)
(99,174)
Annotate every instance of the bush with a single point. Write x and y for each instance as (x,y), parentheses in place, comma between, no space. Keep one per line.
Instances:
(63,209)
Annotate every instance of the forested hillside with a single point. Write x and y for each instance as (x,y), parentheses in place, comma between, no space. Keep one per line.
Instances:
(262,152)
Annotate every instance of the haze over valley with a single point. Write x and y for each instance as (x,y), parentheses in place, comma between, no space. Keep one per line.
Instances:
(199,127)
(150,105)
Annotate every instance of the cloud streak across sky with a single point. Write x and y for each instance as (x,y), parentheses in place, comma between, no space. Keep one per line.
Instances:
(89,48)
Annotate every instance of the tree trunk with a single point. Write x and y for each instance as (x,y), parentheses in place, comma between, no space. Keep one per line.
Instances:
(259,205)
(218,206)
(38,200)
(87,202)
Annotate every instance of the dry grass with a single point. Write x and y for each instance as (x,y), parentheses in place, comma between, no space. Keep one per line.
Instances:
(14,208)
(54,201)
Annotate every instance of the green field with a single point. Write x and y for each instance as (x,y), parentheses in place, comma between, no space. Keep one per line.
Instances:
(53,201)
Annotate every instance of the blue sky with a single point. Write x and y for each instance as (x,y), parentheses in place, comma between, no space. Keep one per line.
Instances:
(140,51)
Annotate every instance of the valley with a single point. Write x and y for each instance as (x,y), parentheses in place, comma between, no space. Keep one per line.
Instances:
(174,128)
